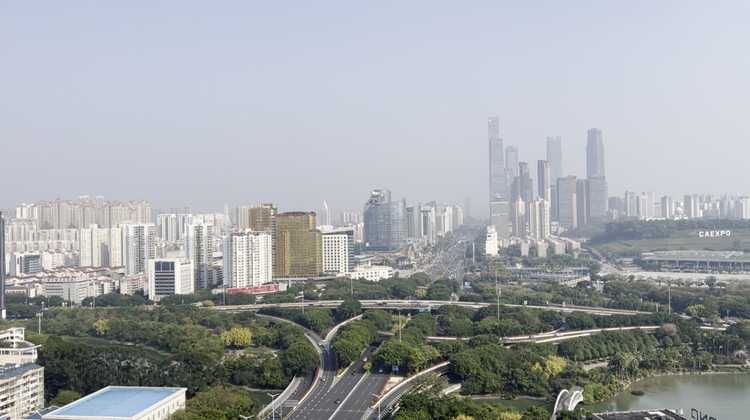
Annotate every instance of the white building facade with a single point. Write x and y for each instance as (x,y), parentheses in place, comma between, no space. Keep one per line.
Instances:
(248,258)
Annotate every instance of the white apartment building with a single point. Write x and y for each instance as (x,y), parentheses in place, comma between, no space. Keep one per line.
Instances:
(139,246)
(539,218)
(490,244)
(248,258)
(338,250)
(73,289)
(199,248)
(167,277)
(21,390)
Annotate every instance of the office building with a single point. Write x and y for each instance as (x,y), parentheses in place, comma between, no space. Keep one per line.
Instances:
(526,186)
(338,251)
(324,218)
(199,248)
(631,204)
(594,153)
(511,161)
(692,206)
(299,245)
(263,217)
(554,158)
(123,403)
(597,198)
(519,218)
(429,225)
(500,218)
(668,207)
(582,215)
(539,219)
(414,222)
(140,246)
(3,268)
(567,202)
(544,190)
(490,244)
(458,216)
(248,258)
(72,289)
(498,179)
(168,277)
(22,390)
(385,222)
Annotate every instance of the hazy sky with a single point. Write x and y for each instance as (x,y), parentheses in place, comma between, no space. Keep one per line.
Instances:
(296,102)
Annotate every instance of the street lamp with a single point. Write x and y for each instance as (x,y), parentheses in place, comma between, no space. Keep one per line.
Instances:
(273,409)
(377,396)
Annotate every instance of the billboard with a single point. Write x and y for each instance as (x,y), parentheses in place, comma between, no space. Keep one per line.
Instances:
(269,288)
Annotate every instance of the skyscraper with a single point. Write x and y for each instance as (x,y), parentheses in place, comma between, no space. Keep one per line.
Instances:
(499,217)
(338,251)
(264,217)
(631,205)
(199,249)
(582,202)
(511,160)
(414,222)
(299,245)
(566,202)
(526,186)
(519,218)
(2,266)
(325,215)
(597,198)
(594,153)
(554,158)
(498,180)
(543,180)
(384,222)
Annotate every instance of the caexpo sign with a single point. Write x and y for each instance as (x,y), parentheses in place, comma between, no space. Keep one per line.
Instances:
(697,415)
(255,290)
(711,233)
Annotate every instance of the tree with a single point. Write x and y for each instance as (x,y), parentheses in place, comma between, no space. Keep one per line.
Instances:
(208,303)
(696,311)
(299,358)
(101,327)
(380,318)
(65,397)
(420,293)
(218,403)
(349,308)
(535,413)
(553,365)
(237,337)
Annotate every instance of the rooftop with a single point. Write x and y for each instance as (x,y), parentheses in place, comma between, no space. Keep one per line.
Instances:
(115,401)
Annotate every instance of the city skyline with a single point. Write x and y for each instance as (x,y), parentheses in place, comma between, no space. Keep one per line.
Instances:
(401,109)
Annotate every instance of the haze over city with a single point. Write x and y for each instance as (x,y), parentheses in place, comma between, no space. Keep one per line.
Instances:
(190,103)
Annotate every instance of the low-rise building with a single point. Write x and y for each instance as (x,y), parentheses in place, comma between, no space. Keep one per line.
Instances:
(123,403)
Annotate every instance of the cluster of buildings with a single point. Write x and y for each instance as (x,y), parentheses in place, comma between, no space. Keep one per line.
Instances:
(519,215)
(644,206)
(90,247)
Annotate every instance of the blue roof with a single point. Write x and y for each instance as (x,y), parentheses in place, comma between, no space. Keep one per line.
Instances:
(116,401)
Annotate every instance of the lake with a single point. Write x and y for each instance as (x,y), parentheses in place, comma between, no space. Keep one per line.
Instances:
(723,396)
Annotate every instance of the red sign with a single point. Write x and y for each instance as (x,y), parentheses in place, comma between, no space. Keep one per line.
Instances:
(255,290)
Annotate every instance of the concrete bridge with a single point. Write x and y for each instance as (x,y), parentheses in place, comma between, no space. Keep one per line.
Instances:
(568,399)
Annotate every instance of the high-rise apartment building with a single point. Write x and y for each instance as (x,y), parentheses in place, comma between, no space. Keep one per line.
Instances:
(166,227)
(324,218)
(248,258)
(264,217)
(667,207)
(170,277)
(140,246)
(594,153)
(414,222)
(429,225)
(2,267)
(539,222)
(692,206)
(567,202)
(490,244)
(200,250)
(385,222)
(500,217)
(646,205)
(543,175)
(511,160)
(338,251)
(554,158)
(597,198)
(617,204)
(458,216)
(519,218)
(498,180)
(298,245)
(526,186)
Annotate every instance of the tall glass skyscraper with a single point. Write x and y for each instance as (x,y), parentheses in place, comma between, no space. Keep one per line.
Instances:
(385,227)
(594,153)
(498,179)
(2,266)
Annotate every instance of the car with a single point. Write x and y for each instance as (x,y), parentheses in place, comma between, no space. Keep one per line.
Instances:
(380,370)
(354,373)
(364,360)
(338,401)
(322,344)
